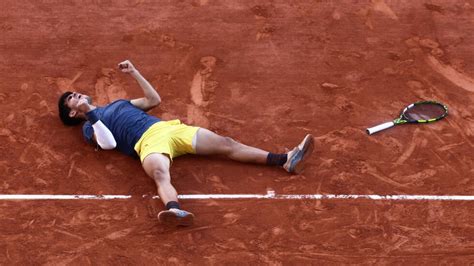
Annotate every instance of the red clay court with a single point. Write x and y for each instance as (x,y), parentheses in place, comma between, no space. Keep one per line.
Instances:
(262,72)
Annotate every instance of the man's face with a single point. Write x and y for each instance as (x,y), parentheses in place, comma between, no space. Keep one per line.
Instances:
(73,99)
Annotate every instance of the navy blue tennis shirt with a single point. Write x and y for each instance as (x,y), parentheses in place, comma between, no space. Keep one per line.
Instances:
(126,122)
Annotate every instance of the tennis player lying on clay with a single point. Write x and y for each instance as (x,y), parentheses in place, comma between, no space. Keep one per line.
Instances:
(125,125)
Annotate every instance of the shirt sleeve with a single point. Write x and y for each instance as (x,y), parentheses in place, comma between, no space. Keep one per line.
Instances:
(88,132)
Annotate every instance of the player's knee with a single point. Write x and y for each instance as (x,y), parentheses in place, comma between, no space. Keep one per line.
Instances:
(160,174)
(228,145)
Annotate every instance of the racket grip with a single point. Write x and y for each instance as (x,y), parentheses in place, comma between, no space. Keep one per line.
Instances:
(372,130)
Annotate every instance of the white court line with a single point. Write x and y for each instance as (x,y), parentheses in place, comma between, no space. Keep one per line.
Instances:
(269,195)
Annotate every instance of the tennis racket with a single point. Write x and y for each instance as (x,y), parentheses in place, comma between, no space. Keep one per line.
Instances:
(419,112)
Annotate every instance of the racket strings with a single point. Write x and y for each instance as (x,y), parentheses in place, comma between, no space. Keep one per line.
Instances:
(425,112)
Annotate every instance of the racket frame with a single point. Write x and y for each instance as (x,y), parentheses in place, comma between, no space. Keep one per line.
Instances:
(403,119)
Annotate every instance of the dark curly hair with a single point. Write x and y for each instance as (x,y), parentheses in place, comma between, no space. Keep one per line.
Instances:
(64,111)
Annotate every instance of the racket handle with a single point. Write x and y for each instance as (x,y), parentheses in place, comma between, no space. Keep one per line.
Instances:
(372,130)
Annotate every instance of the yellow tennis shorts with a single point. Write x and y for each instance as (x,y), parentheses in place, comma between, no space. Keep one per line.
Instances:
(169,137)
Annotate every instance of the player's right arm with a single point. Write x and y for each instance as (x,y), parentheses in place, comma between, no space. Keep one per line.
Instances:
(101,134)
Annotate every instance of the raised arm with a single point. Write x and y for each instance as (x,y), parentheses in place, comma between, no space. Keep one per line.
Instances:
(152,98)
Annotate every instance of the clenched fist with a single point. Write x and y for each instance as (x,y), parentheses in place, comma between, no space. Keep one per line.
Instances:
(127,67)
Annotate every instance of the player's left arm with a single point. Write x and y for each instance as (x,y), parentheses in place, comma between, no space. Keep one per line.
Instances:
(151,98)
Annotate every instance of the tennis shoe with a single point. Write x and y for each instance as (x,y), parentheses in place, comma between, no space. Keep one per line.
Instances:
(176,217)
(297,156)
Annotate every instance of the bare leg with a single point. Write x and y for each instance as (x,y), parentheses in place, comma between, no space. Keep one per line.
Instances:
(157,166)
(208,143)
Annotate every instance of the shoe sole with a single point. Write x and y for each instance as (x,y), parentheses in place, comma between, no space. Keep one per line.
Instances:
(308,147)
(170,218)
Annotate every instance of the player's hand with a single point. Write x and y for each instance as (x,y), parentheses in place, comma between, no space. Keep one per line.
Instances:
(127,67)
(83,105)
